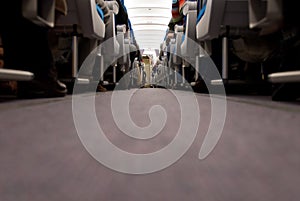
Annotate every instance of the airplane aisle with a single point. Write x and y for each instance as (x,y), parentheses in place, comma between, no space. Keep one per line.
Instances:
(256,158)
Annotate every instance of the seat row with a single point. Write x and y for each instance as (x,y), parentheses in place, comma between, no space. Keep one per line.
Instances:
(236,35)
(91,20)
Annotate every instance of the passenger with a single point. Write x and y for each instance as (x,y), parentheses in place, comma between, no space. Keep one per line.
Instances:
(177,15)
(26,48)
(122,16)
(289,52)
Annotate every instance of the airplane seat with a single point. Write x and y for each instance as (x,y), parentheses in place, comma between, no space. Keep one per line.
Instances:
(119,47)
(176,50)
(168,45)
(178,37)
(174,60)
(112,46)
(217,15)
(172,46)
(185,46)
(86,19)
(163,75)
(165,46)
(123,61)
(162,51)
(168,48)
(128,44)
(133,46)
(87,15)
(266,15)
(190,11)
(39,12)
(219,18)
(121,30)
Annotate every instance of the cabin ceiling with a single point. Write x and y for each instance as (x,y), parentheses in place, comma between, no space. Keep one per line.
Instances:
(149,21)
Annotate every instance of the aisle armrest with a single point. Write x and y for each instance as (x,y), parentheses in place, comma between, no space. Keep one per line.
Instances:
(17,75)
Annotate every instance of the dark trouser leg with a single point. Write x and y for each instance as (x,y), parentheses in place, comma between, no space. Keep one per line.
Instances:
(26,48)
(25,44)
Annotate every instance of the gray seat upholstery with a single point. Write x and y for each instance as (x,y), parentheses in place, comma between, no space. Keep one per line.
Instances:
(112,46)
(266,15)
(222,18)
(39,12)
(190,11)
(177,60)
(127,43)
(121,30)
(85,15)
(219,14)
(172,46)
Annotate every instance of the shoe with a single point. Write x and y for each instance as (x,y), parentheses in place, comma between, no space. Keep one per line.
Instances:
(200,87)
(42,89)
(100,88)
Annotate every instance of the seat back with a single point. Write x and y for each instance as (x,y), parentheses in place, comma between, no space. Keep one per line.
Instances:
(85,15)
(215,15)
(112,47)
(266,15)
(39,12)
(177,60)
(121,30)
(190,11)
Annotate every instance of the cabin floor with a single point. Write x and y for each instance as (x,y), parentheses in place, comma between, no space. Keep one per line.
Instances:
(256,158)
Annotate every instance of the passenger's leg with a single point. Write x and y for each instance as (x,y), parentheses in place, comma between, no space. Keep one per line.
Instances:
(290,51)
(26,48)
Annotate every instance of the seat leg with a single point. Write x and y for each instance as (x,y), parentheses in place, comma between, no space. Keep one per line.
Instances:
(175,76)
(115,74)
(225,58)
(100,66)
(183,74)
(197,68)
(75,52)
(74,56)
